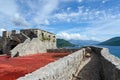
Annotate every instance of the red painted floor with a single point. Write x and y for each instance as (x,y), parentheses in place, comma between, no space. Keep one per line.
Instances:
(13,68)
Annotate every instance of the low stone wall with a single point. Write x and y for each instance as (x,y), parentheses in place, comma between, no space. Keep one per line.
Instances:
(61,50)
(110,65)
(62,69)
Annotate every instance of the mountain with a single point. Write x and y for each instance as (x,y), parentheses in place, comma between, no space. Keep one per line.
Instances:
(64,43)
(112,42)
(84,42)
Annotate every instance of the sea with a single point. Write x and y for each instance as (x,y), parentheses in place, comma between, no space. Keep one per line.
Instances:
(115,50)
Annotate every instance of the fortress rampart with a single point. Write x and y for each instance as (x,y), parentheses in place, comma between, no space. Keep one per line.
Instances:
(74,65)
(27,41)
(62,69)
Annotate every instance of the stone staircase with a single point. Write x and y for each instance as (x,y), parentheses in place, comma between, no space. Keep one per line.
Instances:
(29,47)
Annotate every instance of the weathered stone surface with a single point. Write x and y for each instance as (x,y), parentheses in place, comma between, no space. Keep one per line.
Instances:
(20,48)
(63,69)
(91,71)
(61,50)
(29,47)
(110,64)
(105,67)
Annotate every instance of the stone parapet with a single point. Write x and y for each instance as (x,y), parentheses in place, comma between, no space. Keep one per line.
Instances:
(65,68)
(62,69)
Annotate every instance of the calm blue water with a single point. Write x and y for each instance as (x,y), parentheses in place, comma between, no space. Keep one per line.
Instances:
(115,50)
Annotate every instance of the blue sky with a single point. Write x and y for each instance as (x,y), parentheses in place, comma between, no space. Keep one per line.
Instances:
(69,19)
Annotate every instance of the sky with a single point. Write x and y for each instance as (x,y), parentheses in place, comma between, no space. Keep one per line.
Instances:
(69,19)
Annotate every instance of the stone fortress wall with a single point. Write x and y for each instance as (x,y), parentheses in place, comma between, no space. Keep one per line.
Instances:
(62,69)
(66,68)
(27,41)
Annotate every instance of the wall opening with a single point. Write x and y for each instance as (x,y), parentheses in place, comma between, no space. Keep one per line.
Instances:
(42,34)
(12,44)
(32,35)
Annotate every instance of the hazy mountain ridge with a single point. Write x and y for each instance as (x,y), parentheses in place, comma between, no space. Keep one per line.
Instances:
(84,42)
(115,41)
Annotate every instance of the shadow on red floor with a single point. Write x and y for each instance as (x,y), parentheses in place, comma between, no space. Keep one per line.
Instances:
(13,68)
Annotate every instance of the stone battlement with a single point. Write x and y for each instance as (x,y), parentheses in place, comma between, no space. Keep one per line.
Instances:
(13,41)
(101,65)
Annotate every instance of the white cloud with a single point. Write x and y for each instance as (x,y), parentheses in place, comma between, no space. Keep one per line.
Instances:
(82,15)
(19,20)
(104,1)
(97,30)
(102,22)
(79,0)
(67,16)
(40,10)
(71,0)
(109,27)
(100,29)
(1,30)
(44,12)
(50,29)
(69,36)
(9,9)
